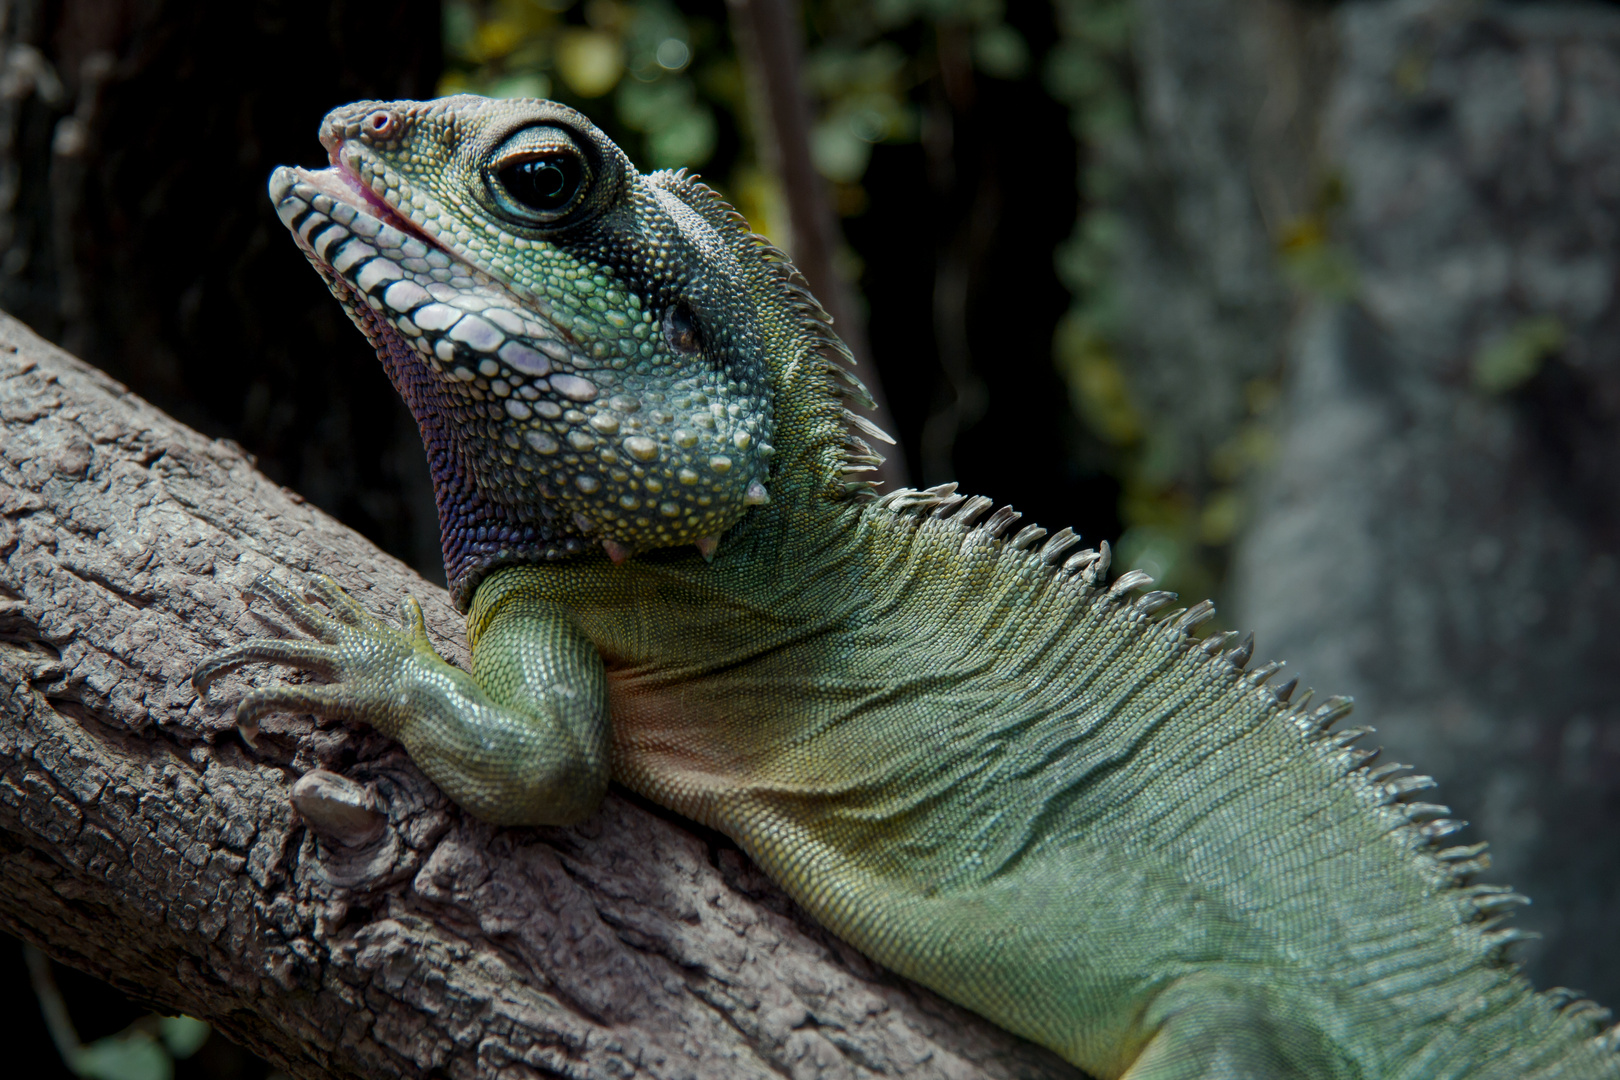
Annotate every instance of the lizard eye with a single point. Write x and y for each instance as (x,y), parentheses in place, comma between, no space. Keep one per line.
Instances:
(538,174)
(546,184)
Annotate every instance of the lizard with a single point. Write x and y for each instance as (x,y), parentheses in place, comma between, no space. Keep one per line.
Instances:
(954,741)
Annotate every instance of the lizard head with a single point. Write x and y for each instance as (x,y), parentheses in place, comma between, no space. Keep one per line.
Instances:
(577,341)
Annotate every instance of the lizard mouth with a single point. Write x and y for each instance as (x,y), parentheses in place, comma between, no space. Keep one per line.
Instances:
(466,325)
(341,184)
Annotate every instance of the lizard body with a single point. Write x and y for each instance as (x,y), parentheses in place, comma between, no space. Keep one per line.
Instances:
(951,740)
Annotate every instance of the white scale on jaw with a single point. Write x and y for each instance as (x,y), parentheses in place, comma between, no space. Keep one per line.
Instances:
(445,309)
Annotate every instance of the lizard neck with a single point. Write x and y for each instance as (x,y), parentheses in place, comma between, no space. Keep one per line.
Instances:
(822,447)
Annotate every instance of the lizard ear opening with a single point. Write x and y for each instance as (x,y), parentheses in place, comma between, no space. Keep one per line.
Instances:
(682,332)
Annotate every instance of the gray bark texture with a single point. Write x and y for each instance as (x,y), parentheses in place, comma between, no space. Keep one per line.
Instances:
(1228,92)
(317,898)
(1436,530)
(1439,536)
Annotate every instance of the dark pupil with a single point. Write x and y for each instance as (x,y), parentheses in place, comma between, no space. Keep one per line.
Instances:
(546,183)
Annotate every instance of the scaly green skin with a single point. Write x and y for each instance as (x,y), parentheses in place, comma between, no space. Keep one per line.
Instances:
(956,746)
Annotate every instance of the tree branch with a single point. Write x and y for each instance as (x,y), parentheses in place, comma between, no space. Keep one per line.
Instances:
(770,44)
(359,925)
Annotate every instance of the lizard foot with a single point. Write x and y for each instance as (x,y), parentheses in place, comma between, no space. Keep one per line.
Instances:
(367,660)
(533,749)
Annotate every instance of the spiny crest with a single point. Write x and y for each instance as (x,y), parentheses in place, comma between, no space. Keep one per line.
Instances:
(945,503)
(833,362)
(1388,789)
(1573,1005)
(831,359)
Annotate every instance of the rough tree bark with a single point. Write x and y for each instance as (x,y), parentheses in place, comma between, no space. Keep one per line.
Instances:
(317,898)
(1438,534)
(1430,503)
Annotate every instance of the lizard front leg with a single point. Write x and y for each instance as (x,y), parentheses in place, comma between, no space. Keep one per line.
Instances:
(523,739)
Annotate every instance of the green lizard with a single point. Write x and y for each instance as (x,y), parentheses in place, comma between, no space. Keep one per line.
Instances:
(955,743)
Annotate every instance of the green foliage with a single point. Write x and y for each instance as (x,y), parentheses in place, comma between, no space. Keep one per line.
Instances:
(1096,383)
(861,91)
(1514,358)
(652,63)
(1311,261)
(1183,506)
(669,87)
(146,1050)
(1169,527)
(129,1055)
(1000,50)
(183,1035)
(1089,71)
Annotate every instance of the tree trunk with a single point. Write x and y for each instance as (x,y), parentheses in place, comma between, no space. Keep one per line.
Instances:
(1369,278)
(317,898)
(1438,534)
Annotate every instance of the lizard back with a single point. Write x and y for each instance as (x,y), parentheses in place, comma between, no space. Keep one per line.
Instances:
(966,753)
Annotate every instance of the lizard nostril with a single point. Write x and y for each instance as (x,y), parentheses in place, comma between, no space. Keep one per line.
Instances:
(381,124)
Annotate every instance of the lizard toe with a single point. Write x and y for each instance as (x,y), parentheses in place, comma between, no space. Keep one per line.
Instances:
(304,615)
(333,702)
(340,603)
(306,655)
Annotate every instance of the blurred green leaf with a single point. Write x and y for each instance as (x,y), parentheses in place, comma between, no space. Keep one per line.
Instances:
(1514,358)
(673,54)
(1096,383)
(1102,24)
(1000,51)
(687,139)
(460,26)
(840,154)
(1313,262)
(1075,72)
(680,130)
(589,61)
(129,1055)
(528,84)
(183,1035)
(1156,551)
